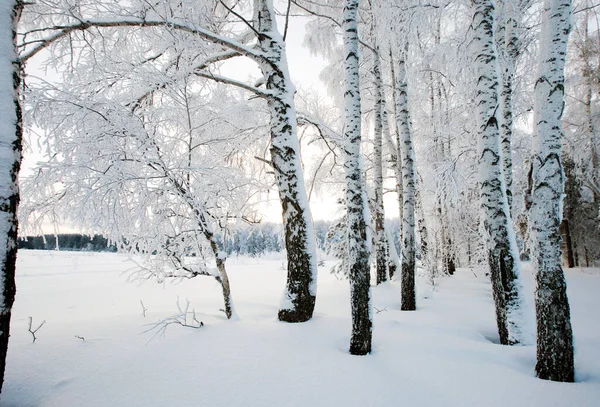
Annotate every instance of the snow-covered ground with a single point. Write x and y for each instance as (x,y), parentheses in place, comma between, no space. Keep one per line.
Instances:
(443,354)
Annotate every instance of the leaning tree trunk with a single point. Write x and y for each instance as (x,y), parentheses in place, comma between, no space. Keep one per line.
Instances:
(222,278)
(358,253)
(380,235)
(405,147)
(554,333)
(301,288)
(11,136)
(501,243)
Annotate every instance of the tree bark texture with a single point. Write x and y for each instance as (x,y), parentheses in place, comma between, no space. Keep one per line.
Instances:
(392,255)
(359,273)
(380,236)
(554,332)
(509,45)
(501,243)
(405,145)
(11,147)
(301,287)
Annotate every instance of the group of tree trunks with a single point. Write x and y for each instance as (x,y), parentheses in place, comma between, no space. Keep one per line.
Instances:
(493,110)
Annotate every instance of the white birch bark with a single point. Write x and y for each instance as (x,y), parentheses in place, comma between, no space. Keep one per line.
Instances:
(358,252)
(554,333)
(380,236)
(509,45)
(301,288)
(393,259)
(406,149)
(11,133)
(501,243)
(299,297)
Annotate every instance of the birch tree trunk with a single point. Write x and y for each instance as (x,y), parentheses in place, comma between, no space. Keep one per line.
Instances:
(509,43)
(299,298)
(392,254)
(223,278)
(501,242)
(554,333)
(358,256)
(11,135)
(405,146)
(380,236)
(301,288)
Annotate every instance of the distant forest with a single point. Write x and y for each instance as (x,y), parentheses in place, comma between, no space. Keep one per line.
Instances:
(252,240)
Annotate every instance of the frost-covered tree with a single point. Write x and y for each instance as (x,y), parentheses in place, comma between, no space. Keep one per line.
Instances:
(158,181)
(581,142)
(406,152)
(358,251)
(11,138)
(380,239)
(510,46)
(503,258)
(220,32)
(554,334)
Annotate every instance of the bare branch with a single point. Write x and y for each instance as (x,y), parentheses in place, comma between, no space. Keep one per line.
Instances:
(33,331)
(144,309)
(65,30)
(242,85)
(287,19)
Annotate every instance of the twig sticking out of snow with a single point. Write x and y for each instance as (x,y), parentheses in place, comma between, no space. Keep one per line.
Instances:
(377,311)
(80,337)
(33,331)
(144,309)
(184,317)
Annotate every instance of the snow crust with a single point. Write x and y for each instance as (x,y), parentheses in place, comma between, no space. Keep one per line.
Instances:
(443,354)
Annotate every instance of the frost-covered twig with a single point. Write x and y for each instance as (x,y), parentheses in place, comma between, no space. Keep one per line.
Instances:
(144,309)
(33,331)
(184,317)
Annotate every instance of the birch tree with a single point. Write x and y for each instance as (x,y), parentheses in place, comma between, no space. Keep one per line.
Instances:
(503,258)
(11,138)
(260,42)
(379,212)
(358,252)
(159,183)
(554,334)
(406,152)
(510,43)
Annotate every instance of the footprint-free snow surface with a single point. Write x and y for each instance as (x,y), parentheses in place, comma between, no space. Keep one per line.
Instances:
(97,349)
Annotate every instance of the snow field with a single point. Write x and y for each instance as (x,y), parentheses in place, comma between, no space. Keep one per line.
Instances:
(443,354)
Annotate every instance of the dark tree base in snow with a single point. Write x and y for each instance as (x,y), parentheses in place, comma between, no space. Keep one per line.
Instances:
(555,359)
(409,301)
(360,349)
(294,316)
(360,341)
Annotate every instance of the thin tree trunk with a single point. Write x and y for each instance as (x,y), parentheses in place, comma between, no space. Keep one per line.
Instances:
(565,230)
(11,136)
(397,154)
(392,254)
(223,278)
(301,288)
(380,236)
(503,255)
(554,333)
(359,273)
(408,302)
(509,43)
